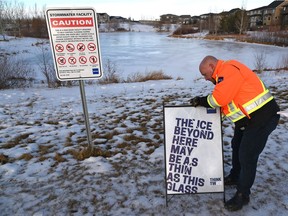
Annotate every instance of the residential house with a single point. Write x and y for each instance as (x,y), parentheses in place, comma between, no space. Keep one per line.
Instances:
(117,19)
(272,13)
(184,19)
(272,16)
(195,20)
(169,18)
(210,22)
(256,17)
(267,16)
(284,15)
(103,18)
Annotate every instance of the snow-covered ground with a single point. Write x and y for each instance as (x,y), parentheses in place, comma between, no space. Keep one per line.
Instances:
(43,129)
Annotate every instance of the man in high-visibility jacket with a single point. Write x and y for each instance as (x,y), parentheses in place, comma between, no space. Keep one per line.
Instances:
(246,101)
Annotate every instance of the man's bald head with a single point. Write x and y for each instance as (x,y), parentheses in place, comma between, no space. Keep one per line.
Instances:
(207,67)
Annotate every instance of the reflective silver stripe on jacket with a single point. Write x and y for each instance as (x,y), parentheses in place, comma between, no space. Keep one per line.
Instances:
(212,102)
(251,106)
(232,107)
(258,101)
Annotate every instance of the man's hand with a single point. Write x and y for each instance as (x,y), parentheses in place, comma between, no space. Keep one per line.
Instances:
(195,101)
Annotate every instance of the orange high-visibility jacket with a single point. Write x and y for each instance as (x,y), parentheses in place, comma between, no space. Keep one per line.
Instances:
(238,90)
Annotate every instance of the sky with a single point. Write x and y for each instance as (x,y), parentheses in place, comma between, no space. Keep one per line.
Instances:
(152,9)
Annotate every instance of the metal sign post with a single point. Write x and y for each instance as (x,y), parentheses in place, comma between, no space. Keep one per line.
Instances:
(74,41)
(86,115)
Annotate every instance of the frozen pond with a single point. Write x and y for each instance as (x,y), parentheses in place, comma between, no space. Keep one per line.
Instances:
(143,52)
(147,51)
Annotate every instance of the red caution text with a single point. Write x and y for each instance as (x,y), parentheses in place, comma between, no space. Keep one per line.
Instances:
(71,22)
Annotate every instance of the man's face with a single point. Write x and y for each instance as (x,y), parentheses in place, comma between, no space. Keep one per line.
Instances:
(207,72)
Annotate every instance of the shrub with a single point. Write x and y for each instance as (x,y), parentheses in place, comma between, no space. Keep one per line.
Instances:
(283,64)
(276,38)
(110,73)
(15,73)
(154,75)
(260,59)
(185,29)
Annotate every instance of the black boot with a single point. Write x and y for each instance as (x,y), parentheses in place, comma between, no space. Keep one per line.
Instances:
(237,202)
(230,180)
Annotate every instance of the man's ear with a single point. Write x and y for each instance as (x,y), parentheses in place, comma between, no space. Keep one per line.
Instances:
(212,66)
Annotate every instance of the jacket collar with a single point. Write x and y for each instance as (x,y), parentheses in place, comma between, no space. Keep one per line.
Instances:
(217,68)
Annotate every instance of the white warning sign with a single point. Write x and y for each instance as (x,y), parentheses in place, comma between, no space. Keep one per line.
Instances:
(74,41)
(193,150)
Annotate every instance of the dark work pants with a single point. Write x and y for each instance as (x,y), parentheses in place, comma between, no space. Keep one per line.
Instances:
(247,144)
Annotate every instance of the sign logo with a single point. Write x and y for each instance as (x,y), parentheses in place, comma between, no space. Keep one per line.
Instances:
(211,110)
(95,71)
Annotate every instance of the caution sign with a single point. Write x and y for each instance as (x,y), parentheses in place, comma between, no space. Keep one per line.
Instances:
(74,39)
(193,150)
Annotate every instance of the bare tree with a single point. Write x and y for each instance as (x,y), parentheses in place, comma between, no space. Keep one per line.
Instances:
(46,65)
(12,15)
(2,24)
(241,21)
(215,23)
(19,17)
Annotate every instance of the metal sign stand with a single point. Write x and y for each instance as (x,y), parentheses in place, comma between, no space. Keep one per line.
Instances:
(86,115)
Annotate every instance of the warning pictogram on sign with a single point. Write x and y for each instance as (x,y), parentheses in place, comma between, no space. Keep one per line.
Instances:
(70,47)
(93,59)
(82,60)
(61,60)
(72,60)
(81,47)
(59,48)
(91,46)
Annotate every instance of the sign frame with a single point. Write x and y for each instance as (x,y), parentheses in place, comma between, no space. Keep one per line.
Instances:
(71,31)
(172,149)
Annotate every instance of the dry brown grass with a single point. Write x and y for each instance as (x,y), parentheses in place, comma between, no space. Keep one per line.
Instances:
(149,152)
(184,29)
(123,145)
(111,75)
(44,149)
(25,156)
(16,141)
(59,158)
(88,152)
(4,159)
(52,122)
(154,75)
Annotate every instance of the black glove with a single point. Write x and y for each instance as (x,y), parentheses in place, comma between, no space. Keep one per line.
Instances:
(195,101)
(199,101)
